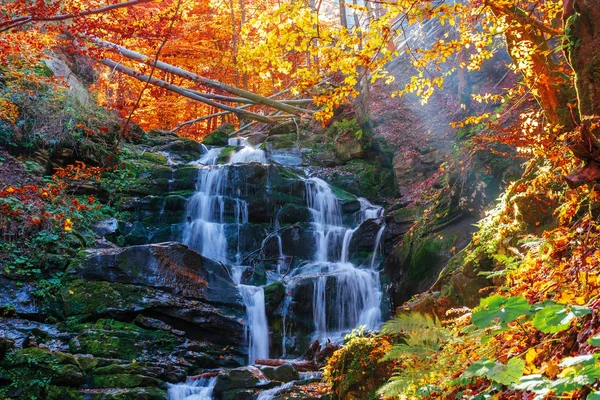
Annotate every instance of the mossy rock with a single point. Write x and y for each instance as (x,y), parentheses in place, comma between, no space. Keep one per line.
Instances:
(147,393)
(342,195)
(274,294)
(87,361)
(154,158)
(282,141)
(98,297)
(112,339)
(366,179)
(425,255)
(125,381)
(219,137)
(187,149)
(32,371)
(138,235)
(226,154)
(175,202)
(283,129)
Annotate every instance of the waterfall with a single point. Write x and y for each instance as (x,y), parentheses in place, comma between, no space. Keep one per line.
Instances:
(200,389)
(326,215)
(205,215)
(257,328)
(344,295)
(377,243)
(205,231)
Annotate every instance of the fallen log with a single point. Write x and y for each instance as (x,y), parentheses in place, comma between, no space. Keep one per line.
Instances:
(203,376)
(216,85)
(302,366)
(184,92)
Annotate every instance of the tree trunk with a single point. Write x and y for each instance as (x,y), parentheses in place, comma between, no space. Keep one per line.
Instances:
(582,46)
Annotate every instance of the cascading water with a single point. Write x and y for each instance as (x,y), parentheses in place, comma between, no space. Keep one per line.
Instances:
(199,389)
(344,296)
(257,327)
(205,215)
(206,231)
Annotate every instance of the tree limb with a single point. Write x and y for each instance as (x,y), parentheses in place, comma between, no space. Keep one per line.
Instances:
(184,92)
(278,105)
(61,17)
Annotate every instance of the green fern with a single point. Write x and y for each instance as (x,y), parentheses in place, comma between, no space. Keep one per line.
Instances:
(424,336)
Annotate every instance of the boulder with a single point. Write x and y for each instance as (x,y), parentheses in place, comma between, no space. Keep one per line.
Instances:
(219,137)
(170,266)
(285,373)
(233,380)
(16,298)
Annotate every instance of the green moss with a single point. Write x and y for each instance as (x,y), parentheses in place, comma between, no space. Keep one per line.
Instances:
(342,194)
(226,154)
(274,294)
(82,297)
(424,256)
(124,381)
(154,158)
(183,193)
(220,136)
(283,141)
(186,174)
(368,179)
(33,371)
(87,362)
(287,173)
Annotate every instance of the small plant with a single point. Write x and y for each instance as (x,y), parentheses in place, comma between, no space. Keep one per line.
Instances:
(356,368)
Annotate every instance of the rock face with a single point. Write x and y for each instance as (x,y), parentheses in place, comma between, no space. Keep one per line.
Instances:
(170,267)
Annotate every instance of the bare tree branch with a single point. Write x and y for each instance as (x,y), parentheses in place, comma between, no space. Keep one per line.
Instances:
(14,22)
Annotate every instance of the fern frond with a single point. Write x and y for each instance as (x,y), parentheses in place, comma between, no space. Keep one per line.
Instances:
(411,322)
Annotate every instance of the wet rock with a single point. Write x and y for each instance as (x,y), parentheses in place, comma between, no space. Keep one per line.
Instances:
(365,236)
(105,227)
(137,235)
(256,138)
(274,294)
(284,373)
(16,298)
(234,381)
(187,149)
(292,213)
(151,323)
(255,276)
